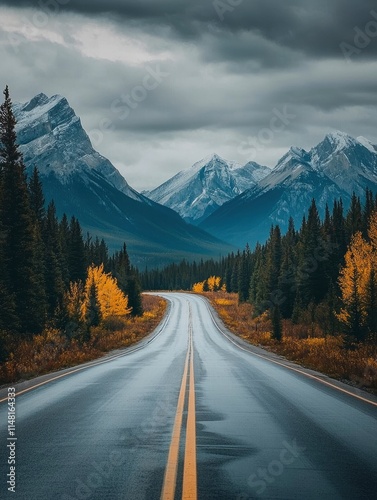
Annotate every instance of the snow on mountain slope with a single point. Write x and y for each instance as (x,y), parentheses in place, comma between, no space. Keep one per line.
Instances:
(51,136)
(197,192)
(335,168)
(350,163)
(85,184)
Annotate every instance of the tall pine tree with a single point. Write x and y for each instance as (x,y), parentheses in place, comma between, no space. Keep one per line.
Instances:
(18,234)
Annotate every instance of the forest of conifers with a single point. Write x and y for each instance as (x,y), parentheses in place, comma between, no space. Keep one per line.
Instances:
(50,275)
(325,272)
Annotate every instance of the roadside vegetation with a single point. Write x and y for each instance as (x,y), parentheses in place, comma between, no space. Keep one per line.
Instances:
(309,294)
(64,299)
(51,350)
(309,345)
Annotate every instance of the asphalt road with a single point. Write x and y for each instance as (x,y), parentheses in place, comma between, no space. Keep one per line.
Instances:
(190,414)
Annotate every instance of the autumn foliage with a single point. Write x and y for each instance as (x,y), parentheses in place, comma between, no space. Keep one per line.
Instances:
(112,301)
(50,350)
(212,284)
(312,348)
(358,284)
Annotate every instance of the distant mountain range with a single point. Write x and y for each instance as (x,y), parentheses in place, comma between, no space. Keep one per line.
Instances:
(199,191)
(240,203)
(337,167)
(85,184)
(219,200)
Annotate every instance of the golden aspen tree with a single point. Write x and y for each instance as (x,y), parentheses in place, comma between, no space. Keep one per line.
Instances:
(74,300)
(214,283)
(113,302)
(198,287)
(354,280)
(372,233)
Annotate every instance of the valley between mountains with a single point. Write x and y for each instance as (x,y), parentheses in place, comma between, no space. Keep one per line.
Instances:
(206,210)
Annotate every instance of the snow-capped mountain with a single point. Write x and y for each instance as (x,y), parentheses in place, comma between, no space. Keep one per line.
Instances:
(334,169)
(52,137)
(85,184)
(350,163)
(197,192)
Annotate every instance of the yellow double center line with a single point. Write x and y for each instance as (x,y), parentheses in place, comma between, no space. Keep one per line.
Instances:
(189,487)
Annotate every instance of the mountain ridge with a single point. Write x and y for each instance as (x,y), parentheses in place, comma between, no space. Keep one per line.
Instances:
(198,191)
(335,168)
(85,184)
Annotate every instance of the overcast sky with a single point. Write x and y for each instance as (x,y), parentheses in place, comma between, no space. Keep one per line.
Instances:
(160,84)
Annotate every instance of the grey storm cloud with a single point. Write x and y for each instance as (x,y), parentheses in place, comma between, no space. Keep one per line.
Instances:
(315,28)
(229,66)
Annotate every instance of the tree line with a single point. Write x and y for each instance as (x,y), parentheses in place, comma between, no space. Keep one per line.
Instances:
(42,256)
(324,272)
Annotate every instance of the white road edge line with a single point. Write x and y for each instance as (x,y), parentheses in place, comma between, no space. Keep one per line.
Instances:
(159,329)
(282,364)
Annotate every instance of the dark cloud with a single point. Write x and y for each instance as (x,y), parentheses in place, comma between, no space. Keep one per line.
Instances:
(224,80)
(313,28)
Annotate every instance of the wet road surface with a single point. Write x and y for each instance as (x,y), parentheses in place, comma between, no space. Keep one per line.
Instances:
(191,414)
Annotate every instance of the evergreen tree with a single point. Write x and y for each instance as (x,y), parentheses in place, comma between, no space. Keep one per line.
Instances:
(287,278)
(371,305)
(312,269)
(244,275)
(55,286)
(354,219)
(18,243)
(77,260)
(64,238)
(37,199)
(93,314)
(128,281)
(133,292)
(273,265)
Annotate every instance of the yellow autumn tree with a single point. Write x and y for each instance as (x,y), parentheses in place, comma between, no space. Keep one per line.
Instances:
(74,300)
(354,281)
(198,287)
(214,283)
(112,301)
(372,233)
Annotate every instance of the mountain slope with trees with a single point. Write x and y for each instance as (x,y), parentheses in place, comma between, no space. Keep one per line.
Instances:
(86,185)
(323,273)
(50,275)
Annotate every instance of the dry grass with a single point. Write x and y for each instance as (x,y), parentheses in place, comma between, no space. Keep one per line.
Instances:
(308,345)
(51,351)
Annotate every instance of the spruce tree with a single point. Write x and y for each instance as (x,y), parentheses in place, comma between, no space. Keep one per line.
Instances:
(76,252)
(128,282)
(37,199)
(93,314)
(312,269)
(277,327)
(55,285)
(288,271)
(354,219)
(19,245)
(371,306)
(64,236)
(244,275)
